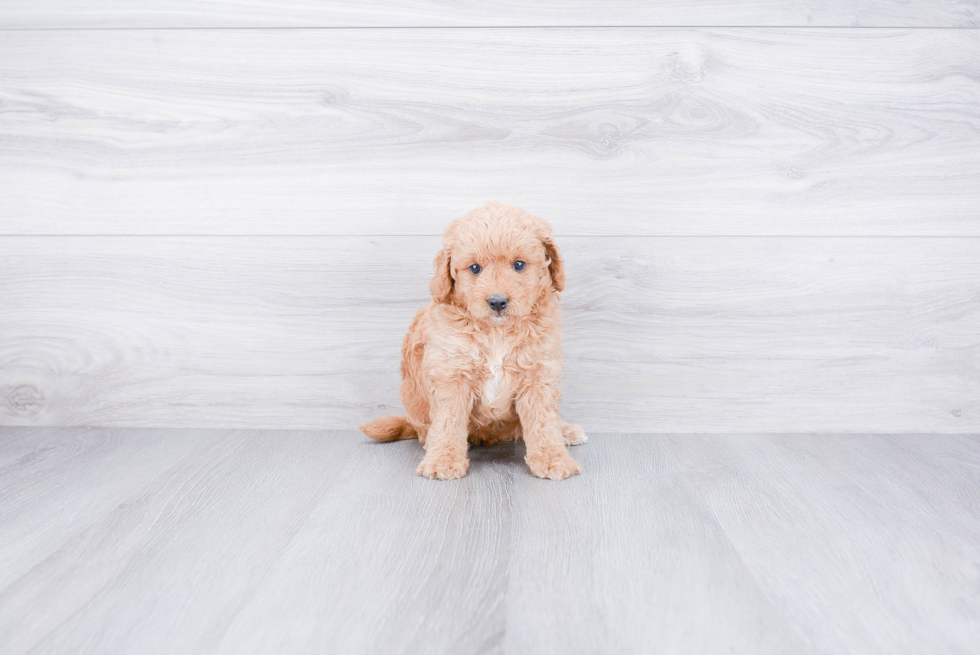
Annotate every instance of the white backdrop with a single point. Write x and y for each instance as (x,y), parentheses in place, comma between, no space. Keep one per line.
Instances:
(769,225)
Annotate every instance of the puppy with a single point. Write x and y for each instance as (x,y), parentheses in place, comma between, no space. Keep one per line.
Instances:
(481,363)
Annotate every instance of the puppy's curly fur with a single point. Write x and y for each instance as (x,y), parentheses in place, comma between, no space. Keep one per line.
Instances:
(481,363)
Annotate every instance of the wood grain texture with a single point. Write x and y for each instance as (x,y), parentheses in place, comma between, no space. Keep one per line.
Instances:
(188,546)
(422,567)
(601,131)
(624,559)
(20,443)
(416,13)
(674,334)
(752,543)
(96,468)
(827,529)
(309,542)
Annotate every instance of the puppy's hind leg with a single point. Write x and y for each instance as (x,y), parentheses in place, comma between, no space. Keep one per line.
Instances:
(574,434)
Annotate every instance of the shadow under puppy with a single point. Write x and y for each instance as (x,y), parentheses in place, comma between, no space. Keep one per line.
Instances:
(482,362)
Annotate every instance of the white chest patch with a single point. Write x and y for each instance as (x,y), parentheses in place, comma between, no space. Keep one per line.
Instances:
(495,371)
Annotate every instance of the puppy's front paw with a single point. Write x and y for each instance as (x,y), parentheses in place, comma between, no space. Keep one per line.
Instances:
(443,466)
(553,464)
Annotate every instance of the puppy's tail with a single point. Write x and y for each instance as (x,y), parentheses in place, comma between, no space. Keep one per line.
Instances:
(389,428)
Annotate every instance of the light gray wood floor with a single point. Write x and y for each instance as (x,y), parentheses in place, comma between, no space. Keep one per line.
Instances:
(233,541)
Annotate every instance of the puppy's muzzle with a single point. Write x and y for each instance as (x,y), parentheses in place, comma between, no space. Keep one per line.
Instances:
(497,302)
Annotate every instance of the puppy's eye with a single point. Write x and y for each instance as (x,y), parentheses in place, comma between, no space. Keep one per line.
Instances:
(519,266)
(475,269)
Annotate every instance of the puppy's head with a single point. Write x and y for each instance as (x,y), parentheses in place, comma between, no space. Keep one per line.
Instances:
(497,262)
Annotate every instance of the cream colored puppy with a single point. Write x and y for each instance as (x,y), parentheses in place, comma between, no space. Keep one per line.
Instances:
(482,362)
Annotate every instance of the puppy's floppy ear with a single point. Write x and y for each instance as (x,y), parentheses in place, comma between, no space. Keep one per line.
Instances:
(556,266)
(442,281)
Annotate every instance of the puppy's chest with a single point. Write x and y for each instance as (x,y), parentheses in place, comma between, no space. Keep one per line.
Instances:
(497,377)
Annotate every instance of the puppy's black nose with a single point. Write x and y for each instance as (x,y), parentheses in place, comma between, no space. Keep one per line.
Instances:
(497,302)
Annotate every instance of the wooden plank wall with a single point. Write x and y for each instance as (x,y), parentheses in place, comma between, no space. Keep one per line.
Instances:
(770,210)
(33,14)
